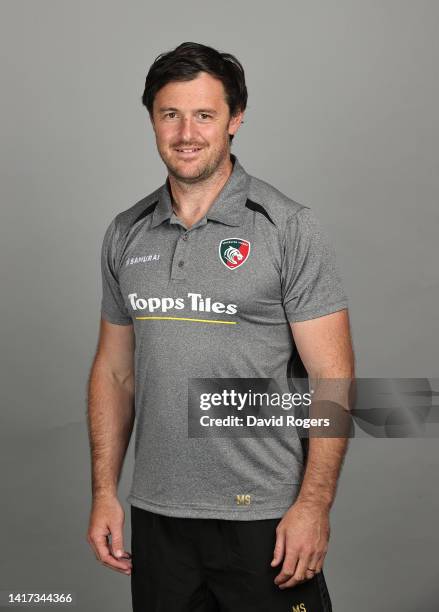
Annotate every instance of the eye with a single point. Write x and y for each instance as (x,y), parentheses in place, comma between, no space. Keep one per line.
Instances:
(205,115)
(169,114)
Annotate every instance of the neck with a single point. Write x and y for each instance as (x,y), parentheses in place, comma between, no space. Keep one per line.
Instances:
(192,201)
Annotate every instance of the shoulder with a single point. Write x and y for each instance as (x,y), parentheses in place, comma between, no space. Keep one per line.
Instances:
(281,208)
(125,219)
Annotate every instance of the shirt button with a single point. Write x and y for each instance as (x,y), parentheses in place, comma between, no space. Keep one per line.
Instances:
(180,263)
(184,237)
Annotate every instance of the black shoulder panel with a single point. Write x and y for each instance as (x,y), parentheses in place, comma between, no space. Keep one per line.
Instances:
(148,210)
(145,212)
(258,208)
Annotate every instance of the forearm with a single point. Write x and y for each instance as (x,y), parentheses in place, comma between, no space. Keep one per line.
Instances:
(331,398)
(110,424)
(325,459)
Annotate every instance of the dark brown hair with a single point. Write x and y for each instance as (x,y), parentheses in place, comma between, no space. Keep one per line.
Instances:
(185,62)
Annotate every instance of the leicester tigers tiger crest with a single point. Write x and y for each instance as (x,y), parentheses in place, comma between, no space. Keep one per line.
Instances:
(233,252)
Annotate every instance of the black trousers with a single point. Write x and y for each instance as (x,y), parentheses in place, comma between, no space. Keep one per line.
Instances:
(212,565)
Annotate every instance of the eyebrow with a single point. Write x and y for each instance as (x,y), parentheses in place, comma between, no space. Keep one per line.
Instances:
(198,110)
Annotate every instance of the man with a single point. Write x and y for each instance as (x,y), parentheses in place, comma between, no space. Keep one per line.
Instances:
(215,274)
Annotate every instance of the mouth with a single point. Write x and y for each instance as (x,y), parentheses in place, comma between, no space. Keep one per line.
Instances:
(188,151)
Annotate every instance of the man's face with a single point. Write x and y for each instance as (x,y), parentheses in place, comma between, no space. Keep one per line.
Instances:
(192,123)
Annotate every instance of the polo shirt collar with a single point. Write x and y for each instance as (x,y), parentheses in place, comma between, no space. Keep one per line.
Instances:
(227,208)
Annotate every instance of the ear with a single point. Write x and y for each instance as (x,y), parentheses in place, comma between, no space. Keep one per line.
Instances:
(235,122)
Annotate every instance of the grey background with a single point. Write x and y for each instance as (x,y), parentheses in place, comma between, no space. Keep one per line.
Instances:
(342,116)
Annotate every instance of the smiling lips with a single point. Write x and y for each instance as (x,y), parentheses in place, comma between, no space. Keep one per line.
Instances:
(188,151)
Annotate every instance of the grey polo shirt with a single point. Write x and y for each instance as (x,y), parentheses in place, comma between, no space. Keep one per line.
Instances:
(214,300)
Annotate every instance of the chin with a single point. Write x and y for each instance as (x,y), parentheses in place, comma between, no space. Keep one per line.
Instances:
(187,171)
(188,176)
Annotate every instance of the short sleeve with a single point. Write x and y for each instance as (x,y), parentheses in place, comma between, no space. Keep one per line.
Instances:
(113,308)
(311,283)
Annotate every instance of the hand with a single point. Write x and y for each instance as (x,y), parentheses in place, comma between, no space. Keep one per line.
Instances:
(302,537)
(107,518)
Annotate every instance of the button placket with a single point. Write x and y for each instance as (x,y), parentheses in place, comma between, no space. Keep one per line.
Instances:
(179,259)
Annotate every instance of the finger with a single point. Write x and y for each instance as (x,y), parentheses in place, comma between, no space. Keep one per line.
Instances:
(292,582)
(302,566)
(290,561)
(279,549)
(117,540)
(320,562)
(115,563)
(299,575)
(314,564)
(100,544)
(288,567)
(93,547)
(105,555)
(309,575)
(121,571)
(91,539)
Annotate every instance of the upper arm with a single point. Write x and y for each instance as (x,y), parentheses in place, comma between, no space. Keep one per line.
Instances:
(314,298)
(113,306)
(115,350)
(311,281)
(325,345)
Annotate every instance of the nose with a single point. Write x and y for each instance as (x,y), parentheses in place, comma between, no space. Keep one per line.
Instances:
(187,129)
